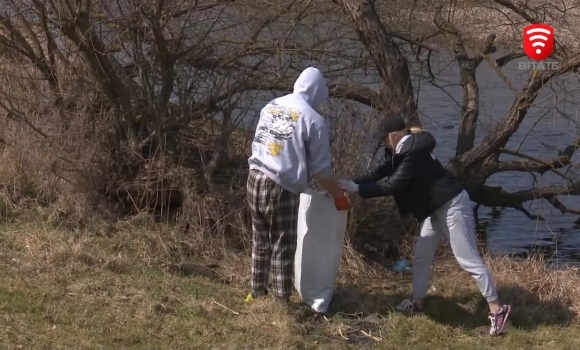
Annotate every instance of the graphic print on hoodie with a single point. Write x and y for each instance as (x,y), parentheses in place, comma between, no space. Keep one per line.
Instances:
(291,141)
(277,125)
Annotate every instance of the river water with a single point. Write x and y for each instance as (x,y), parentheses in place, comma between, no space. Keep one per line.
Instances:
(550,125)
(554,123)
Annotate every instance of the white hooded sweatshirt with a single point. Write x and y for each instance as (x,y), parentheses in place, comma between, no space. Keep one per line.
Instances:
(291,141)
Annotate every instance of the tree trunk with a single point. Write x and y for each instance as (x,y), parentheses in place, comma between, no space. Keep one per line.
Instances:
(396,92)
(469,108)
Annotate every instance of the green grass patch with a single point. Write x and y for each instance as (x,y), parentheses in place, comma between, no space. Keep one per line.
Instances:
(79,291)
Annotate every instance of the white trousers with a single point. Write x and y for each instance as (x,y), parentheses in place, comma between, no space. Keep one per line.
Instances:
(454,221)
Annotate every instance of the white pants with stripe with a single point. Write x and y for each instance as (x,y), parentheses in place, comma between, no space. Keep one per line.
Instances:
(454,221)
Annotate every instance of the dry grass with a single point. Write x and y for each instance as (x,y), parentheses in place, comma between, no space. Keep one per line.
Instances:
(77,276)
(116,288)
(73,280)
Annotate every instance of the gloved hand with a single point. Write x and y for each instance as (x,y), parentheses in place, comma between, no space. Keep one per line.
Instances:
(348,186)
(342,203)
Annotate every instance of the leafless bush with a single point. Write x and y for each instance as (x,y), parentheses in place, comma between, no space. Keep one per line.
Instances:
(137,107)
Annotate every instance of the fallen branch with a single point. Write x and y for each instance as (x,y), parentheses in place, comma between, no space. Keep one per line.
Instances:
(498,197)
(370,336)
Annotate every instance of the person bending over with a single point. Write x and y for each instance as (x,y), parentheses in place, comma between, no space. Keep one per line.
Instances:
(425,190)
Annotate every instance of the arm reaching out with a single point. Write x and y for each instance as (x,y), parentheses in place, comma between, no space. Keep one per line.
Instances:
(378,172)
(401,178)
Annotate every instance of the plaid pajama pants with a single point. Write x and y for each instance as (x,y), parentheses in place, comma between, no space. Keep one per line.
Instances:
(274,212)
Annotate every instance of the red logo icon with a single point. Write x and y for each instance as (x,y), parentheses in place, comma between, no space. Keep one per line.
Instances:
(538,41)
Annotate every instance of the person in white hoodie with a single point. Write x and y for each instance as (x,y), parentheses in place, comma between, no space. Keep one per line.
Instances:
(291,144)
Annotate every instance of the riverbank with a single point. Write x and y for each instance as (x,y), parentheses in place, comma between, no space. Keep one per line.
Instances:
(477,20)
(128,287)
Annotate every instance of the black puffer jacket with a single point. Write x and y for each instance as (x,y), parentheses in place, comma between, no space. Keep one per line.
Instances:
(416,178)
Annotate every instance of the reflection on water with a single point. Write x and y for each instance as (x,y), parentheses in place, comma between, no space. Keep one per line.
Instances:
(559,246)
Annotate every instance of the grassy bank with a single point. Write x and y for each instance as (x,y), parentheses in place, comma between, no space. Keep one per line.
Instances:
(116,289)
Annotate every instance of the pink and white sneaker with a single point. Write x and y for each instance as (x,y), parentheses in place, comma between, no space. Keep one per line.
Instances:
(499,319)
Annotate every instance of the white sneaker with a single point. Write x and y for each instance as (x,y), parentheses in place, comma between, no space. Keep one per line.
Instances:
(408,305)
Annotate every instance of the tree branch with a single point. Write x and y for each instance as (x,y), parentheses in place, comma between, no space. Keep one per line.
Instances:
(17,115)
(532,164)
(412,41)
(498,197)
(355,93)
(167,64)
(501,75)
(269,20)
(468,66)
(520,9)
(563,209)
(502,61)
(464,165)
(33,53)
(195,8)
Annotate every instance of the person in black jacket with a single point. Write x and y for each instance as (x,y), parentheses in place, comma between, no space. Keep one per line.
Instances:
(425,190)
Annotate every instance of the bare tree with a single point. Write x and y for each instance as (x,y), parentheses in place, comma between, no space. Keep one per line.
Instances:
(474,164)
(148,74)
(152,72)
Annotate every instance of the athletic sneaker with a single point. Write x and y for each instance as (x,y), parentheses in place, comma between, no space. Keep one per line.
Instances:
(499,319)
(409,305)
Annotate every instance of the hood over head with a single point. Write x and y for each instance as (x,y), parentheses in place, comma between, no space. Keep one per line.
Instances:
(416,143)
(312,87)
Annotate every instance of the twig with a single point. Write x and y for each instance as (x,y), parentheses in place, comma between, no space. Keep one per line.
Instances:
(412,41)
(521,8)
(560,206)
(374,154)
(530,215)
(225,307)
(551,165)
(30,250)
(501,75)
(342,335)
(370,336)
(502,61)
